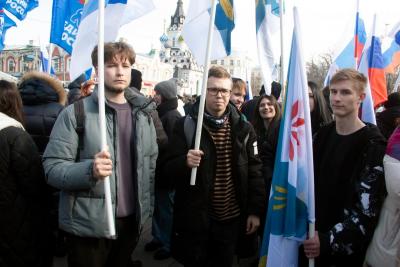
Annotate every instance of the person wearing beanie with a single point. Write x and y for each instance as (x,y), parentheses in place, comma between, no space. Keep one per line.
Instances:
(384,249)
(167,104)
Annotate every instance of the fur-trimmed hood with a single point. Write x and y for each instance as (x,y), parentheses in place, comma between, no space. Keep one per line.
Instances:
(40,88)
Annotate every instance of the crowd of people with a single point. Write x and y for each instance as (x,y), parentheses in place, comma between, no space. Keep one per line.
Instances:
(52,199)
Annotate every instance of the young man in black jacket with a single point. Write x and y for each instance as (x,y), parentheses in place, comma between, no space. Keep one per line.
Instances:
(229,195)
(349,182)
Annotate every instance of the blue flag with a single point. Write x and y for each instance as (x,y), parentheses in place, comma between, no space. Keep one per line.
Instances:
(291,202)
(116,14)
(65,22)
(20,8)
(5,24)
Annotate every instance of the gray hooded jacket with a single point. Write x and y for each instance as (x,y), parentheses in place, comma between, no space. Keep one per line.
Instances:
(82,202)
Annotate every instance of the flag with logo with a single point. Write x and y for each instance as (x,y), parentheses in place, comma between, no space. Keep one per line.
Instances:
(372,67)
(66,17)
(391,57)
(291,202)
(5,24)
(267,32)
(350,50)
(20,8)
(116,13)
(195,29)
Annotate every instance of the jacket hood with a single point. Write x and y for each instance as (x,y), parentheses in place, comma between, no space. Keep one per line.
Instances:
(134,97)
(40,88)
(6,121)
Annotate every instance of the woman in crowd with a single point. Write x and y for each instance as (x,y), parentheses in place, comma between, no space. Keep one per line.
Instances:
(320,113)
(266,121)
(384,249)
(23,204)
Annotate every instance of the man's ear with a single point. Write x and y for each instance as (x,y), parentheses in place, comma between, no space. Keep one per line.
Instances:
(362,97)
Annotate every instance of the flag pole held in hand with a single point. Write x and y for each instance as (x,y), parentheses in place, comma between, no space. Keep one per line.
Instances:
(204,88)
(102,117)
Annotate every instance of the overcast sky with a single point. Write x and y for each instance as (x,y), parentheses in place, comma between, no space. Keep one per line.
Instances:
(323,24)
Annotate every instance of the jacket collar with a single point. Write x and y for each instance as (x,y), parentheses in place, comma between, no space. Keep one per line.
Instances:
(133,97)
(6,121)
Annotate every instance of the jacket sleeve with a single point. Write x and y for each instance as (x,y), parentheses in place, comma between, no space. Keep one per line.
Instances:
(256,186)
(175,156)
(360,219)
(162,138)
(59,157)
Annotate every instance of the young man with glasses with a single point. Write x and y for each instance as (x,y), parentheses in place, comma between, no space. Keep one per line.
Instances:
(229,195)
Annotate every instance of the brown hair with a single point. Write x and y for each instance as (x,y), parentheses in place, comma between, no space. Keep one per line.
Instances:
(358,79)
(10,101)
(239,84)
(218,72)
(113,50)
(258,122)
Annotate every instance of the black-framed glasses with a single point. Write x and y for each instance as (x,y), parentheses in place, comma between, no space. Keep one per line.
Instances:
(214,91)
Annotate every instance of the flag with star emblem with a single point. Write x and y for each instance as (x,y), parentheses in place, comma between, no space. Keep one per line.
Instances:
(291,202)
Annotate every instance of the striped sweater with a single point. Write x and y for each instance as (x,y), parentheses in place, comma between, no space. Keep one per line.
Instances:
(224,204)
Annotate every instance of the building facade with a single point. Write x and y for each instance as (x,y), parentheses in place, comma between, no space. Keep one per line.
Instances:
(175,52)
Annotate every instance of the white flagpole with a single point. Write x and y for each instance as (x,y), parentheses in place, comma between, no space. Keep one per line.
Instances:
(50,59)
(102,116)
(355,40)
(282,70)
(204,87)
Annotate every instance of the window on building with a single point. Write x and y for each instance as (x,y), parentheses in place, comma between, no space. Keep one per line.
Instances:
(11,65)
(222,62)
(232,62)
(56,64)
(212,61)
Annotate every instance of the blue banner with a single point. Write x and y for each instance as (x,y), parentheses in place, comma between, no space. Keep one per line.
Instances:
(5,24)
(20,8)
(65,22)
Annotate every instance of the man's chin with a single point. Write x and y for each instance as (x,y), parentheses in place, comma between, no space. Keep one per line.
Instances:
(116,90)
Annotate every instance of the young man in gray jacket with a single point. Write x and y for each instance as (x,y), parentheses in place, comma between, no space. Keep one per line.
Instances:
(78,171)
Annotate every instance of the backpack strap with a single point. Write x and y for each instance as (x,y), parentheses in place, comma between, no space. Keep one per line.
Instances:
(189,127)
(80,123)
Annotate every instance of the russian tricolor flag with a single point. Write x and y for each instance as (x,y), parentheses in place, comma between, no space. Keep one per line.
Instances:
(391,57)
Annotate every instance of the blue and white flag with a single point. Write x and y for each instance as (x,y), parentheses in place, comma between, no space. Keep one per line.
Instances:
(116,13)
(65,22)
(5,24)
(44,60)
(20,8)
(267,31)
(195,29)
(291,203)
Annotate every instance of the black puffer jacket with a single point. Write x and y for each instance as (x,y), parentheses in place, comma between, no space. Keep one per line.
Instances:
(43,98)
(23,206)
(192,202)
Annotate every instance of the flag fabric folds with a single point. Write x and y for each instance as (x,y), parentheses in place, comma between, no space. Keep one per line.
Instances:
(5,24)
(391,57)
(66,17)
(352,49)
(291,203)
(20,8)
(195,29)
(267,32)
(117,13)
(44,61)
